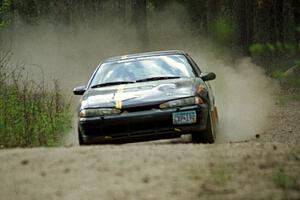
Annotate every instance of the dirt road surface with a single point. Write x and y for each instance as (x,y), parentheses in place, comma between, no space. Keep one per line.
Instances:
(267,167)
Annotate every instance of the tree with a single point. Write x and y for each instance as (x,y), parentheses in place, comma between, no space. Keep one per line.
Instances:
(4,12)
(296,12)
(140,21)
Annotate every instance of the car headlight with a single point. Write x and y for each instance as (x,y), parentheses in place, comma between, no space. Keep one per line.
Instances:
(182,102)
(98,112)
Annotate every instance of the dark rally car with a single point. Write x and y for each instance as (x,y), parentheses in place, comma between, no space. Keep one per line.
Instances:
(147,96)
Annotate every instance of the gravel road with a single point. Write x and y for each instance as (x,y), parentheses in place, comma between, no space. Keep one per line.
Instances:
(267,167)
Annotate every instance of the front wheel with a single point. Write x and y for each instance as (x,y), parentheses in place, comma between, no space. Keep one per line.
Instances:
(206,136)
(80,139)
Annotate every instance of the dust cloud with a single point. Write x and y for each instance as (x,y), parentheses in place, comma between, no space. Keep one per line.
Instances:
(244,96)
(64,53)
(70,55)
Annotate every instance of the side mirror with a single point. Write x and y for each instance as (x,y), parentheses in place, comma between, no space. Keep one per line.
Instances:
(207,76)
(79,90)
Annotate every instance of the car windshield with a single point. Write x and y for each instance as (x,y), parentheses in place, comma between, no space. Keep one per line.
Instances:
(143,69)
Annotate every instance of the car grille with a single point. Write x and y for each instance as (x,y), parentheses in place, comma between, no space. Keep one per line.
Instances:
(129,126)
(141,108)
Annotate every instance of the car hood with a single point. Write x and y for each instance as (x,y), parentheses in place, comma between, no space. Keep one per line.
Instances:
(140,94)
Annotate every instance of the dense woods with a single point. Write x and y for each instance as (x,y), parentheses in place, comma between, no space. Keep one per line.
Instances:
(231,22)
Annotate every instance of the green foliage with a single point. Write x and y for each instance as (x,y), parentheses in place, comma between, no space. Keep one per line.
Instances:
(276,57)
(223,30)
(293,82)
(278,75)
(283,180)
(31,115)
(257,49)
(287,81)
(221,174)
(267,48)
(284,99)
(297,62)
(4,13)
(270,47)
(4,6)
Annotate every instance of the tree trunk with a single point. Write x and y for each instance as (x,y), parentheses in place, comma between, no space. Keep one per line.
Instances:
(278,19)
(262,27)
(244,17)
(140,22)
(212,14)
(296,11)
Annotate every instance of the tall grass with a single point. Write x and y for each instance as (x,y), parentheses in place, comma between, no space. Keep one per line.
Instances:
(31,114)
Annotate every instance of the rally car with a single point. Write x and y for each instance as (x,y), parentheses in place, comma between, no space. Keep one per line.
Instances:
(147,96)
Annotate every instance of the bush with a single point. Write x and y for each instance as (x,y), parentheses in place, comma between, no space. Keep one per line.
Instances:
(286,79)
(30,114)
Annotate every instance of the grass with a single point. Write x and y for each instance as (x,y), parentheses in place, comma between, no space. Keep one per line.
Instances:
(286,81)
(283,180)
(30,114)
(284,99)
(220,174)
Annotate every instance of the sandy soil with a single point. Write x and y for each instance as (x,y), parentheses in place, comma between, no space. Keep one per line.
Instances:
(267,167)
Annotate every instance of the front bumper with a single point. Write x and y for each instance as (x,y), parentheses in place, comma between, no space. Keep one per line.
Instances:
(140,126)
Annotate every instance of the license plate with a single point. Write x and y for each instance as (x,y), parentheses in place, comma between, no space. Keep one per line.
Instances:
(188,117)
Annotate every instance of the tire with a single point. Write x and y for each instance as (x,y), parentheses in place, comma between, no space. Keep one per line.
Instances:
(206,136)
(80,139)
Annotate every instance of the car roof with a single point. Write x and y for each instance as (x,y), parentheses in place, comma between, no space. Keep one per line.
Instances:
(144,54)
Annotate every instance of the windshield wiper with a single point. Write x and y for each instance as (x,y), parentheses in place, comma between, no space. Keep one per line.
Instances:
(112,83)
(140,80)
(157,78)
